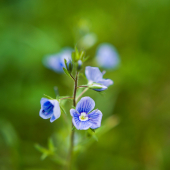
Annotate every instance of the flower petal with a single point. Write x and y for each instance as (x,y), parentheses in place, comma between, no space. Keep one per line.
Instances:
(53,118)
(54,63)
(106,82)
(86,104)
(45,115)
(93,73)
(76,121)
(46,110)
(84,125)
(74,112)
(66,53)
(56,110)
(43,100)
(95,118)
(107,56)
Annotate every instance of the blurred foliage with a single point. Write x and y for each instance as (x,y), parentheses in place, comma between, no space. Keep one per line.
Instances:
(139,29)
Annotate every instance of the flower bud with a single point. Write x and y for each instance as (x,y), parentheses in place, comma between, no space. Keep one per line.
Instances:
(97,87)
(69,66)
(79,65)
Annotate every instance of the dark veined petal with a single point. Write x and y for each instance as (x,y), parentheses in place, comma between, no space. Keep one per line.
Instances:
(86,104)
(93,74)
(76,121)
(95,118)
(46,110)
(73,112)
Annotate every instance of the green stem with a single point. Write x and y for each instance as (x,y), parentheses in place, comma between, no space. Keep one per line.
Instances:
(66,98)
(72,132)
(82,86)
(82,93)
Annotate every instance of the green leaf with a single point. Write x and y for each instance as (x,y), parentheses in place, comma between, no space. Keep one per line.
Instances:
(73,56)
(91,134)
(43,156)
(66,72)
(41,149)
(73,128)
(82,75)
(59,160)
(62,109)
(65,62)
(48,97)
(77,56)
(93,130)
(73,107)
(51,145)
(82,53)
(85,58)
(95,137)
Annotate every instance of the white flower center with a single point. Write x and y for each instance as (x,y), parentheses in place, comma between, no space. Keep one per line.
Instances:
(83,116)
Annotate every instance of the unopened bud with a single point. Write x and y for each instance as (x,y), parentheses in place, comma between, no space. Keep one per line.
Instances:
(79,65)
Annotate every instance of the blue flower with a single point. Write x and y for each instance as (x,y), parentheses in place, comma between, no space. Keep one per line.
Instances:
(83,118)
(50,109)
(107,56)
(94,75)
(55,62)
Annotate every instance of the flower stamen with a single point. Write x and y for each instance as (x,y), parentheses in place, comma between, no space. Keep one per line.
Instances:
(83,116)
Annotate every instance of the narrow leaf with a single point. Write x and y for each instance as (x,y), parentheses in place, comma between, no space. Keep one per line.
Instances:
(62,109)
(73,128)
(41,149)
(48,97)
(77,57)
(82,53)
(66,72)
(85,58)
(44,156)
(82,75)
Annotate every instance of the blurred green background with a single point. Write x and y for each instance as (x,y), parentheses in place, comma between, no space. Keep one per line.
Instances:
(139,29)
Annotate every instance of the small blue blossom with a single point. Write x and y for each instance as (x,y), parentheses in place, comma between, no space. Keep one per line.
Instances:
(107,56)
(83,117)
(55,62)
(94,75)
(49,109)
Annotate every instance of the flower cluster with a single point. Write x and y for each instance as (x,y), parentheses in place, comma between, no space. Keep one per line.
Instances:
(71,62)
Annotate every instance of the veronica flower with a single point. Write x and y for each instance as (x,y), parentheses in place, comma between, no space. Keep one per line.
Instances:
(95,78)
(50,109)
(55,62)
(83,117)
(107,56)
